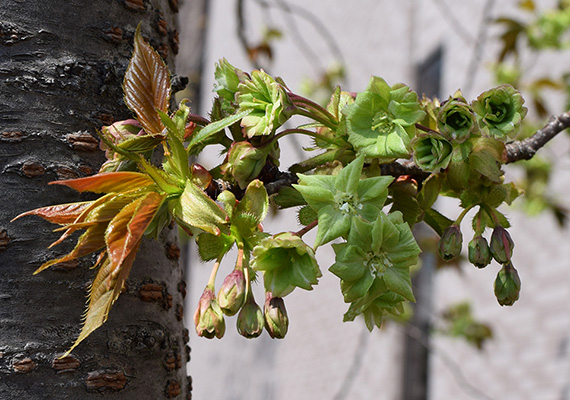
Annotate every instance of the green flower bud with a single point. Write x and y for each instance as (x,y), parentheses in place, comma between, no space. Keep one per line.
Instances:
(432,153)
(208,318)
(500,111)
(501,245)
(276,320)
(450,243)
(269,101)
(250,320)
(479,252)
(245,161)
(456,120)
(232,293)
(507,285)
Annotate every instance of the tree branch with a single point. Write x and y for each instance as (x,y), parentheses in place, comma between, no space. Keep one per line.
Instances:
(515,151)
(527,148)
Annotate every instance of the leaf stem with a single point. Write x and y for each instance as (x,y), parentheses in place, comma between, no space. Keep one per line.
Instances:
(317,117)
(307,228)
(302,132)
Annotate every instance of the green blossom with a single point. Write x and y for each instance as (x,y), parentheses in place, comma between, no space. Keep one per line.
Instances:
(456,120)
(374,265)
(338,199)
(287,262)
(500,111)
(432,153)
(228,78)
(270,104)
(381,121)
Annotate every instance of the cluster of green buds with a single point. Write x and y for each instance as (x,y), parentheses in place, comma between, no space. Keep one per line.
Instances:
(481,252)
(451,130)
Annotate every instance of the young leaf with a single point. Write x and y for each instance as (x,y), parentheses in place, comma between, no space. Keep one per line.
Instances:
(215,127)
(195,209)
(125,231)
(436,220)
(104,290)
(107,182)
(60,213)
(92,240)
(147,85)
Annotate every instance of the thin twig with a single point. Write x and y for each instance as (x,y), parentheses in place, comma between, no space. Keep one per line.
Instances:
(527,148)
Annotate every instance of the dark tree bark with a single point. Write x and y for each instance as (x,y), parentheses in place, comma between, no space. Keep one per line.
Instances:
(61,67)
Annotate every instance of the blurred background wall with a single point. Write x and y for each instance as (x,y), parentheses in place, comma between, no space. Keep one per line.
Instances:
(437,47)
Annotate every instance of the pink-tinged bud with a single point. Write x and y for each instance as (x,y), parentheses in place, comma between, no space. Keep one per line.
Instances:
(276,320)
(507,285)
(208,318)
(200,175)
(250,320)
(123,130)
(232,293)
(479,252)
(501,245)
(450,243)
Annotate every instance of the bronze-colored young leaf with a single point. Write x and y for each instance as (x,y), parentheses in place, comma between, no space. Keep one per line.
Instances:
(104,290)
(92,240)
(60,213)
(126,229)
(147,85)
(107,182)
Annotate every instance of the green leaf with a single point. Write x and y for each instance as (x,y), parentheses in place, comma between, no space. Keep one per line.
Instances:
(437,221)
(215,127)
(288,197)
(487,165)
(194,209)
(177,159)
(407,205)
(254,202)
(147,85)
(429,192)
(212,247)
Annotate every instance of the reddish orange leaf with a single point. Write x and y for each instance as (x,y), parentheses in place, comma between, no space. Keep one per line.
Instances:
(92,240)
(60,213)
(107,182)
(102,210)
(104,291)
(147,85)
(125,231)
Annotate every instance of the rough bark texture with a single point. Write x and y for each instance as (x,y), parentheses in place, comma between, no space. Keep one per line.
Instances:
(61,67)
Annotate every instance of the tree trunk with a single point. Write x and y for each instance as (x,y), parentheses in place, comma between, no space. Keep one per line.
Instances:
(61,67)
